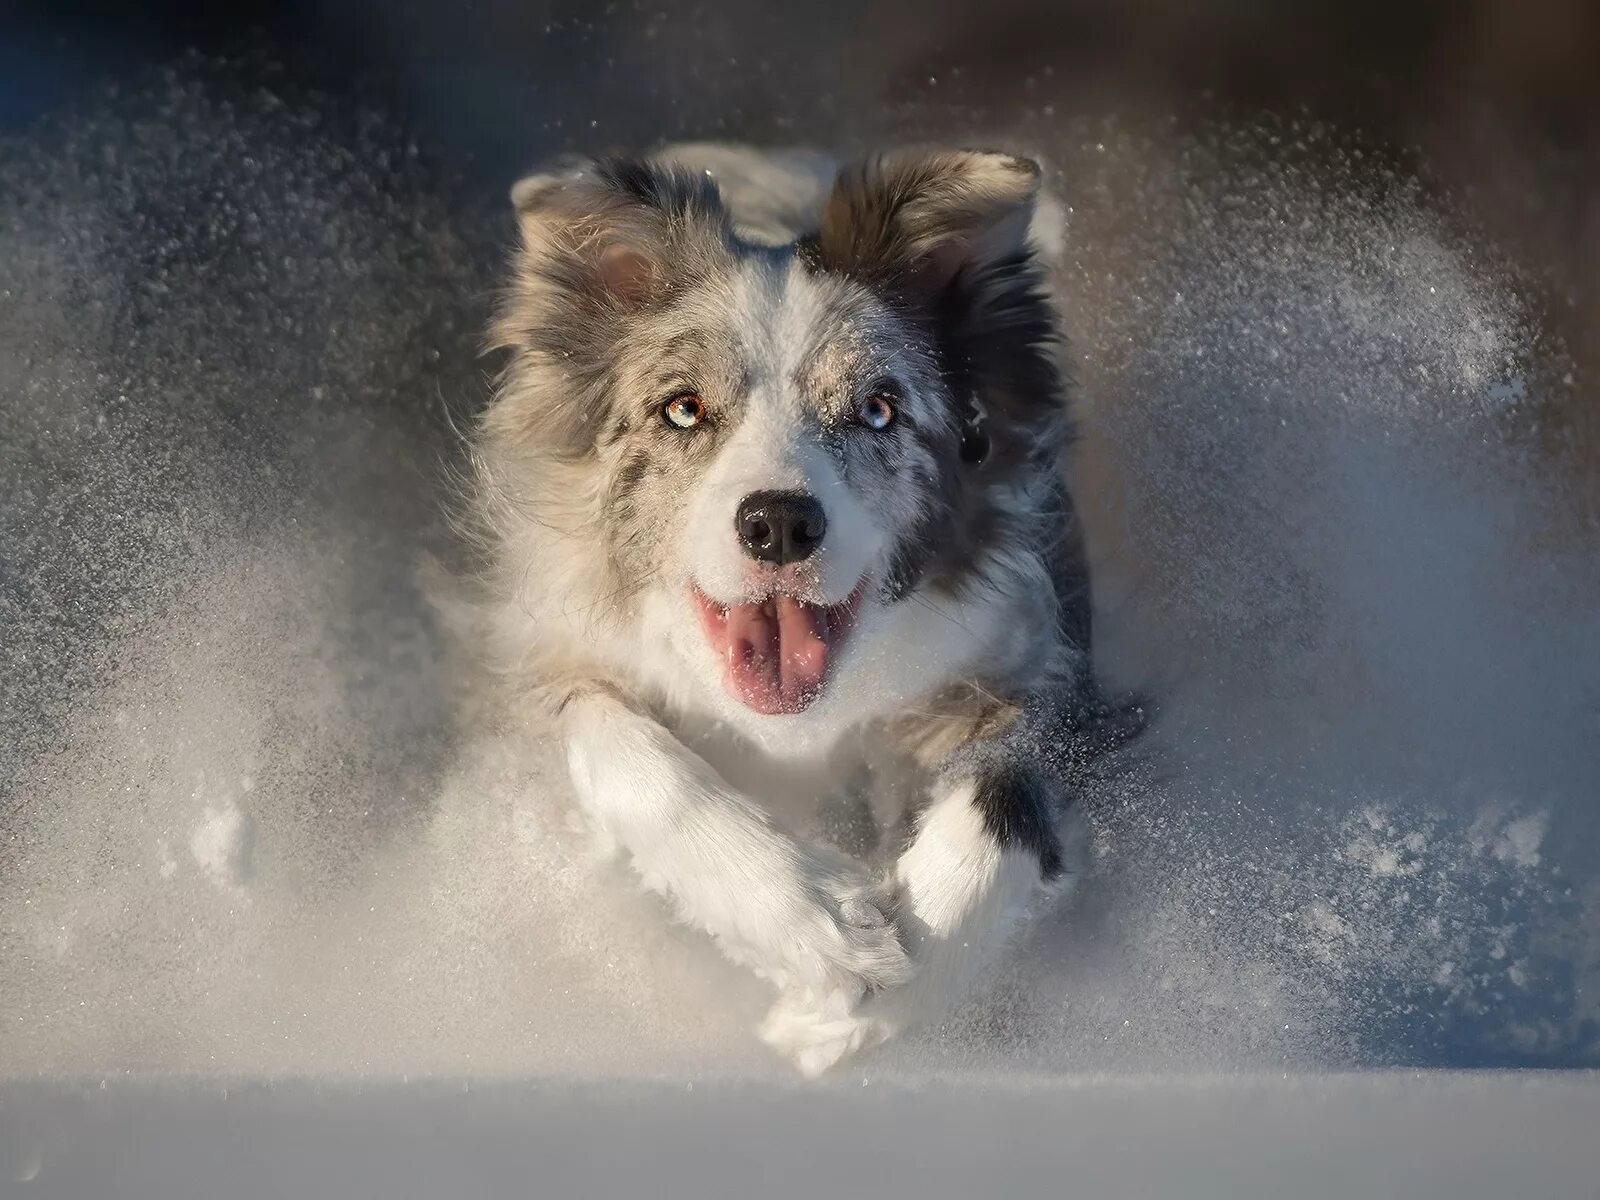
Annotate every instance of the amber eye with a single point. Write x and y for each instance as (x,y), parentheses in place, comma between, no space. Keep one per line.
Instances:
(685,412)
(876,412)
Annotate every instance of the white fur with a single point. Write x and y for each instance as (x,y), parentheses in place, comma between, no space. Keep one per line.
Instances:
(775,448)
(798,917)
(961,897)
(810,921)
(896,658)
(961,894)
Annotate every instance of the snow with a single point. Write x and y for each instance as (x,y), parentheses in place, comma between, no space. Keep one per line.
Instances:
(1401,1135)
(244,839)
(220,844)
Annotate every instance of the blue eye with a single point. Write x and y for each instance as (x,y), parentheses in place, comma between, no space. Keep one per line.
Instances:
(876,412)
(684,412)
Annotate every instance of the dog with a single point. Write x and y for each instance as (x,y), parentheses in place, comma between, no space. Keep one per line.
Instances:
(772,485)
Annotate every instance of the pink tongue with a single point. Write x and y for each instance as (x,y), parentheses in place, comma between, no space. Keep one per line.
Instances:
(775,654)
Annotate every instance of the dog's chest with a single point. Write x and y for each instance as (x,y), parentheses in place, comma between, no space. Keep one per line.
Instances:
(857,797)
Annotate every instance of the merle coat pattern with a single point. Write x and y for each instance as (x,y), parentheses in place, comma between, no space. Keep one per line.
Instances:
(777,466)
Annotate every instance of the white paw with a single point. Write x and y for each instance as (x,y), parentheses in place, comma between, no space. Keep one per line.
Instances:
(818,1033)
(857,947)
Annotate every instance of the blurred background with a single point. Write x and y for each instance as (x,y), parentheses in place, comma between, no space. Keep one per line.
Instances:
(1497,100)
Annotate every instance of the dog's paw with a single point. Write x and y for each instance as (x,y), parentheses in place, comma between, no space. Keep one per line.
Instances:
(862,951)
(818,1033)
(812,926)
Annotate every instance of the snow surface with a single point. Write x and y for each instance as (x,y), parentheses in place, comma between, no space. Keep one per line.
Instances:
(1409,1137)
(1341,537)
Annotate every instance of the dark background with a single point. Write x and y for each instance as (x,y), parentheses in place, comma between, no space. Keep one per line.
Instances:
(1497,102)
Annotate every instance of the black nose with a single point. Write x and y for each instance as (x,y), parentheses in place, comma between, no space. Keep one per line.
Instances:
(780,527)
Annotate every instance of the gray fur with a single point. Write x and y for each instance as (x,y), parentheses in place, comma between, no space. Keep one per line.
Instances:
(588,370)
(781,308)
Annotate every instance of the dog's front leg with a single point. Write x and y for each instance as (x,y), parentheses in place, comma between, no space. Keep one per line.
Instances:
(797,915)
(985,848)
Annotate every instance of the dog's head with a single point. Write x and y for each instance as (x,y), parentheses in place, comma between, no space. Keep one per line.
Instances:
(769,448)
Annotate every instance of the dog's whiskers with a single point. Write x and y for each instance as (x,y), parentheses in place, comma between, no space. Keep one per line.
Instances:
(939,612)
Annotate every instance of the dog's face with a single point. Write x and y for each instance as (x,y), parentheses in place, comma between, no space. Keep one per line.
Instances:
(782,435)
(780,443)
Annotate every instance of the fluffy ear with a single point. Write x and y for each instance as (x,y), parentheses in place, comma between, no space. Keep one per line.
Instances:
(916,220)
(616,231)
(600,241)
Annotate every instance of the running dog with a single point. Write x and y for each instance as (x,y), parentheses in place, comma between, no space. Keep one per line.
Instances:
(773,485)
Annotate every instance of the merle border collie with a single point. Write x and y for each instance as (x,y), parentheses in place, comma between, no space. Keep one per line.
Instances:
(772,492)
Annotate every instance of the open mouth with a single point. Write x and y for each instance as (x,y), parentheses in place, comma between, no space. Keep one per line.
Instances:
(776,652)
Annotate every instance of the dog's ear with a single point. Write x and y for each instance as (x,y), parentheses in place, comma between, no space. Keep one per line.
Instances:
(601,240)
(917,221)
(616,231)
